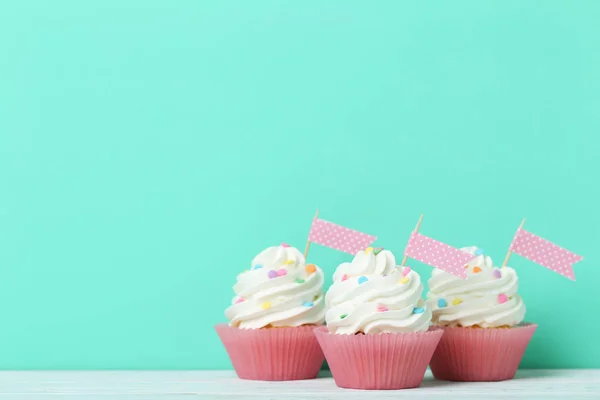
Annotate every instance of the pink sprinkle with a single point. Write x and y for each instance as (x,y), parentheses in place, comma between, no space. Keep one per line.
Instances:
(405,271)
(497,274)
(382,309)
(239,300)
(285,245)
(281,272)
(344,277)
(502,298)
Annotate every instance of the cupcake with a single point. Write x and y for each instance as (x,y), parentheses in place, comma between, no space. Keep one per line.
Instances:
(277,304)
(484,337)
(378,334)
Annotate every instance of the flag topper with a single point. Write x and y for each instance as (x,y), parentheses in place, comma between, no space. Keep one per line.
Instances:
(542,252)
(437,254)
(337,237)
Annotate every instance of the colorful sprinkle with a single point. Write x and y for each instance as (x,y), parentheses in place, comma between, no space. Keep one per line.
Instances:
(362,279)
(240,300)
(476,270)
(308,304)
(289,262)
(405,271)
(418,310)
(298,280)
(310,268)
(272,274)
(343,316)
(478,252)
(368,250)
(266,305)
(442,303)
(344,277)
(502,298)
(285,245)
(377,250)
(497,273)
(404,280)
(281,272)
(382,309)
(257,266)
(466,266)
(456,301)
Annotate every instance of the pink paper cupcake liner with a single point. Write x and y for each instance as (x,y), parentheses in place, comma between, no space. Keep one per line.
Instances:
(379,361)
(481,354)
(272,354)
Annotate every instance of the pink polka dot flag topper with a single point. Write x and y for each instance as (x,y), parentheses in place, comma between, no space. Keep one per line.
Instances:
(438,254)
(545,253)
(338,237)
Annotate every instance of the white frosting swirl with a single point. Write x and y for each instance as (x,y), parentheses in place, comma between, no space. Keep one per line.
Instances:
(487,298)
(372,295)
(279,291)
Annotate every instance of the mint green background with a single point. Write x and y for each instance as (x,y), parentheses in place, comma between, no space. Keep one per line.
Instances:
(149,149)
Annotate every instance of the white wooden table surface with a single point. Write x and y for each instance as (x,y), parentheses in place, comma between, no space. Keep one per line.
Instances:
(135,385)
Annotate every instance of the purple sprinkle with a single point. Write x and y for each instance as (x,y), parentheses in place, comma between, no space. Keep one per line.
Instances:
(497,273)
(272,274)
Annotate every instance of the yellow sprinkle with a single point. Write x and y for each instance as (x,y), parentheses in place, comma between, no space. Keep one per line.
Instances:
(403,280)
(288,262)
(456,301)
(368,250)
(266,305)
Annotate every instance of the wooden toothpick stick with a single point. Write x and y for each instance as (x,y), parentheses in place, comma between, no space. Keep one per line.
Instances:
(307,248)
(416,230)
(509,251)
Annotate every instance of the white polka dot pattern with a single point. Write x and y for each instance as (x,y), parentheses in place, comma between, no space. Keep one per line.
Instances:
(438,254)
(338,237)
(545,253)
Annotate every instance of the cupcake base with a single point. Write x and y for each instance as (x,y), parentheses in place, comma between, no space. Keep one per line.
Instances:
(481,354)
(379,361)
(272,354)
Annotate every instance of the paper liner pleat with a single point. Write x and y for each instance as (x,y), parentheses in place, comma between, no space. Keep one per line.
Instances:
(478,354)
(272,354)
(379,361)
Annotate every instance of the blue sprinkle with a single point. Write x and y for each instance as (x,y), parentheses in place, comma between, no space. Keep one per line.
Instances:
(442,303)
(478,252)
(308,304)
(257,266)
(419,310)
(362,279)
